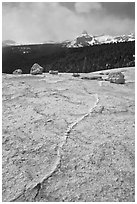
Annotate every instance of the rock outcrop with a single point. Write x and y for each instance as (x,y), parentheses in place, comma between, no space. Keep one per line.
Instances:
(36,69)
(68,140)
(117,78)
(17,71)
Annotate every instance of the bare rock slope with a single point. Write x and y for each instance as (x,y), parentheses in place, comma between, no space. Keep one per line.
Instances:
(68,139)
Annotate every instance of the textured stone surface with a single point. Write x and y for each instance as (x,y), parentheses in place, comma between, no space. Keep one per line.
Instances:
(117,78)
(67,139)
(36,69)
(17,71)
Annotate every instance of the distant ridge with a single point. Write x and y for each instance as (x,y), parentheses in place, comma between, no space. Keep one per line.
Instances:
(8,43)
(87,40)
(82,40)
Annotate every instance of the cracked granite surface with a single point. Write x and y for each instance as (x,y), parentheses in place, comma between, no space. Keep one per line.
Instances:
(67,139)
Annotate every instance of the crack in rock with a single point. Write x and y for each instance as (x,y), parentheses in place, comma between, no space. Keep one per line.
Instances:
(38,184)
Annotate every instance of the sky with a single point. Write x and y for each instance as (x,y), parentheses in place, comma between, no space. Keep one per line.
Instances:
(35,22)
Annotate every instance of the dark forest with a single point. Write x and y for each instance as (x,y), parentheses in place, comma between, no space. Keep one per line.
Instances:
(63,59)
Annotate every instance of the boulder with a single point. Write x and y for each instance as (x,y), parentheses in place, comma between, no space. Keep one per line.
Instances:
(116,77)
(36,69)
(76,75)
(17,71)
(53,72)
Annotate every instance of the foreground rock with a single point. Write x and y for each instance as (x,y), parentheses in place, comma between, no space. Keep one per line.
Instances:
(117,78)
(68,140)
(36,69)
(17,71)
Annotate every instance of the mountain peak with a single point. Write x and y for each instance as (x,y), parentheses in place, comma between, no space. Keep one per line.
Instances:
(87,40)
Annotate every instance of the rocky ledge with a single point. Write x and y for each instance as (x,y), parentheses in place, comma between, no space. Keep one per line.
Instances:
(68,139)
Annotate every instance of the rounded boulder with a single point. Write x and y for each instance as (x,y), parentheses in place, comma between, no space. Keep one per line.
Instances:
(117,78)
(36,69)
(17,71)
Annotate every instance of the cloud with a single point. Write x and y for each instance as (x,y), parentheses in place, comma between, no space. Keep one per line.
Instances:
(112,25)
(36,22)
(39,22)
(87,7)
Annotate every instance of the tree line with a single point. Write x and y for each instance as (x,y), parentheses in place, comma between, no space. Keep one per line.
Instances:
(56,57)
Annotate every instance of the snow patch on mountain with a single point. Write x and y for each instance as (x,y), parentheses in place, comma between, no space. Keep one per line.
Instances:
(82,40)
(87,40)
